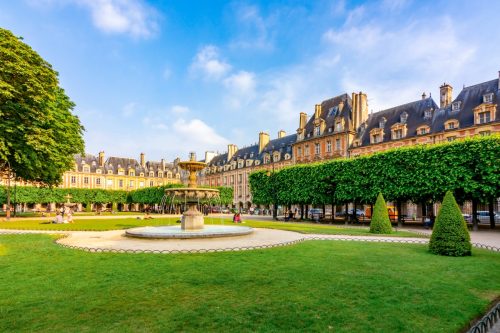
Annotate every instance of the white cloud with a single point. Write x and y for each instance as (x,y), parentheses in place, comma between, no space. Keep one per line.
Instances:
(241,87)
(179,109)
(129,109)
(131,17)
(207,62)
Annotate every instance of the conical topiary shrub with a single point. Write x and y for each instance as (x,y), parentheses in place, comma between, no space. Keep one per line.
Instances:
(450,236)
(380,223)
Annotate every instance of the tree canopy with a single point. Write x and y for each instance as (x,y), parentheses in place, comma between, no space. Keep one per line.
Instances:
(470,168)
(39,135)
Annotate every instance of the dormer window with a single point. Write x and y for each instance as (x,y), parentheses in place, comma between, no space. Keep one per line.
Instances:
(86,169)
(141,174)
(428,114)
(98,171)
(451,124)
(287,156)
(381,123)
(266,159)
(160,174)
(151,174)
(397,134)
(332,111)
(376,138)
(455,106)
(317,131)
(338,126)
(403,118)
(488,98)
(110,172)
(276,157)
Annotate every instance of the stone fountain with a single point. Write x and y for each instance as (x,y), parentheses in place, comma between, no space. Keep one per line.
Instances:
(192,221)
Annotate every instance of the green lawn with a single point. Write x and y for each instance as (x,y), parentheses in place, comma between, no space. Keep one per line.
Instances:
(312,286)
(125,223)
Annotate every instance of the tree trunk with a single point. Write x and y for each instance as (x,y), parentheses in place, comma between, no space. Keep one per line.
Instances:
(475,226)
(424,211)
(346,218)
(492,214)
(307,211)
(301,212)
(398,209)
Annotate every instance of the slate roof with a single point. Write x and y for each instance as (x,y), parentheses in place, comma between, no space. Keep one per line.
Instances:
(330,112)
(88,159)
(470,97)
(415,117)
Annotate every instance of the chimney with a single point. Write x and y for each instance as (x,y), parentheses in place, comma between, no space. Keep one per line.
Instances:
(163,164)
(231,150)
(445,92)
(263,141)
(359,109)
(281,134)
(317,111)
(303,120)
(209,155)
(424,96)
(101,158)
(143,163)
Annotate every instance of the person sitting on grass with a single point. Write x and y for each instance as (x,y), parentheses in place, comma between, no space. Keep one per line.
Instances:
(147,216)
(59,218)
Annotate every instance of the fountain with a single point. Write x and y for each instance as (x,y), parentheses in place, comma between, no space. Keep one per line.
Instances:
(192,221)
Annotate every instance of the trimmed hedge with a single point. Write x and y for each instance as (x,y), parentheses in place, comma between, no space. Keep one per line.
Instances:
(450,236)
(380,222)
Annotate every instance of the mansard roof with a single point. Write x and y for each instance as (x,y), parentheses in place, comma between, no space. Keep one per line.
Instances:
(415,112)
(330,112)
(282,145)
(87,159)
(469,98)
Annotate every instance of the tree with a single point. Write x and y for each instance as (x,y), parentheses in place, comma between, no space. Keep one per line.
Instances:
(380,223)
(38,133)
(450,236)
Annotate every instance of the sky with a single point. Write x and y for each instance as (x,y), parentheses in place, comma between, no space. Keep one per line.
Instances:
(169,77)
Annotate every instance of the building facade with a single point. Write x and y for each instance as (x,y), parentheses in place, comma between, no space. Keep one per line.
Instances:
(118,173)
(342,127)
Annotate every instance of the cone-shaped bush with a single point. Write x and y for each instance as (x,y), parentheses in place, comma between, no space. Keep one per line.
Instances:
(380,223)
(450,236)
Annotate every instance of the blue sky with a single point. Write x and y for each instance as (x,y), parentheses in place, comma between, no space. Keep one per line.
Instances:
(169,77)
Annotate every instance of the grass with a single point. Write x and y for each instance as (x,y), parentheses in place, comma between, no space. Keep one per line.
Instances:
(314,286)
(125,223)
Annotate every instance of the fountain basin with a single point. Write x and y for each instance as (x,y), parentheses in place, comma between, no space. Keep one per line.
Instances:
(176,232)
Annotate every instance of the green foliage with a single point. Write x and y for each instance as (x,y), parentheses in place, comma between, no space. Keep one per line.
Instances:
(450,236)
(38,133)
(32,194)
(470,168)
(380,222)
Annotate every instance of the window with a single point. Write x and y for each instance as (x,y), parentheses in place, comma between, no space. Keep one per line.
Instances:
(160,174)
(121,172)
(423,131)
(109,182)
(240,178)
(317,130)
(397,134)
(73,179)
(376,138)
(99,171)
(110,172)
(306,150)
(86,169)
(98,181)
(120,183)
(455,106)
(484,117)
(86,180)
(131,183)
(266,159)
(337,144)
(317,149)
(428,114)
(381,123)
(141,174)
(225,180)
(451,138)
(131,173)
(338,126)
(299,151)
(404,117)
(151,174)
(451,125)
(232,179)
(332,111)
(151,183)
(488,98)
(141,184)
(485,133)
(329,146)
